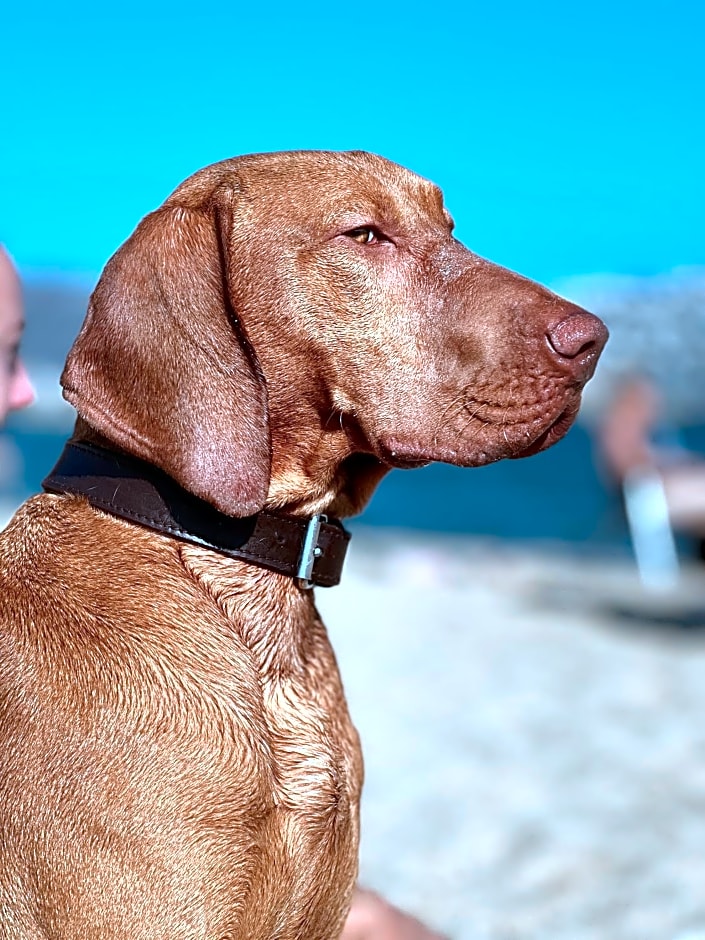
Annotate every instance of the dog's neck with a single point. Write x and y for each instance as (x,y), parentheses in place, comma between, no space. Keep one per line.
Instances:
(311,551)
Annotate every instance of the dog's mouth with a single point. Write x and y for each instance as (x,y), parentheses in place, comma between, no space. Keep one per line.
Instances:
(399,461)
(558,429)
(400,452)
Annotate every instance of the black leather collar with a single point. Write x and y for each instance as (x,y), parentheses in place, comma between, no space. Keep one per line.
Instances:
(311,550)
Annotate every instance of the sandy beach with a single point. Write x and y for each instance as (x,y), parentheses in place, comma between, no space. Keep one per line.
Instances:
(534,738)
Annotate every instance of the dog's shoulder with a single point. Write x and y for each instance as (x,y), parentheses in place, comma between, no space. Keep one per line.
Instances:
(85,592)
(71,574)
(61,550)
(49,534)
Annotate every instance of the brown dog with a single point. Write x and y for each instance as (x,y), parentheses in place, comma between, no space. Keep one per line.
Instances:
(176,756)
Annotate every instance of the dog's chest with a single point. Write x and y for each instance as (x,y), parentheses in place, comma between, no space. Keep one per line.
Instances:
(295,764)
(314,749)
(316,777)
(309,737)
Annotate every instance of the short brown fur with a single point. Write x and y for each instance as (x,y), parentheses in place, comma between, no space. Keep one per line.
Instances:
(176,755)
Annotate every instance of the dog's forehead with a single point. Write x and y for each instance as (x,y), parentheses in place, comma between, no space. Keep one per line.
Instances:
(322,181)
(364,182)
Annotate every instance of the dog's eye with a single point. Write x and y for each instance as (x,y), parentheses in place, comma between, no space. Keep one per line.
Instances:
(365,235)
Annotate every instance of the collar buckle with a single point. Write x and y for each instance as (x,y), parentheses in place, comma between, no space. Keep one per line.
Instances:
(310,551)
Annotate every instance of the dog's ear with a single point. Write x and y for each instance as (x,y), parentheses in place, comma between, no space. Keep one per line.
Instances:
(162,366)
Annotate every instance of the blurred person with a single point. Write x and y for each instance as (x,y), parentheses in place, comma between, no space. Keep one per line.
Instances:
(15,388)
(630,446)
(625,433)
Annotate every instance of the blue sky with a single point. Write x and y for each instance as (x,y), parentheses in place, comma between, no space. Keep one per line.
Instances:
(568,139)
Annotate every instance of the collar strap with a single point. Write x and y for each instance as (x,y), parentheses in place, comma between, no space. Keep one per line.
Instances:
(310,550)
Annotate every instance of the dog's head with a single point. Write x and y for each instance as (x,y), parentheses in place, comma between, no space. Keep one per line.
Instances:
(287,327)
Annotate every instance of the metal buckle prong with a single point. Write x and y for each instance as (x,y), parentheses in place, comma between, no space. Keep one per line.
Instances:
(310,551)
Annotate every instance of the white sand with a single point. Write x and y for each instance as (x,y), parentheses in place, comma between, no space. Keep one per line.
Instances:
(535,766)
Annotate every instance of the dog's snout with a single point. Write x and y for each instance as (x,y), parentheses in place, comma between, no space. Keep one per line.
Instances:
(577,341)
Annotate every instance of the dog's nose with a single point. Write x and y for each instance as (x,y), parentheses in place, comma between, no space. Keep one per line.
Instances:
(577,341)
